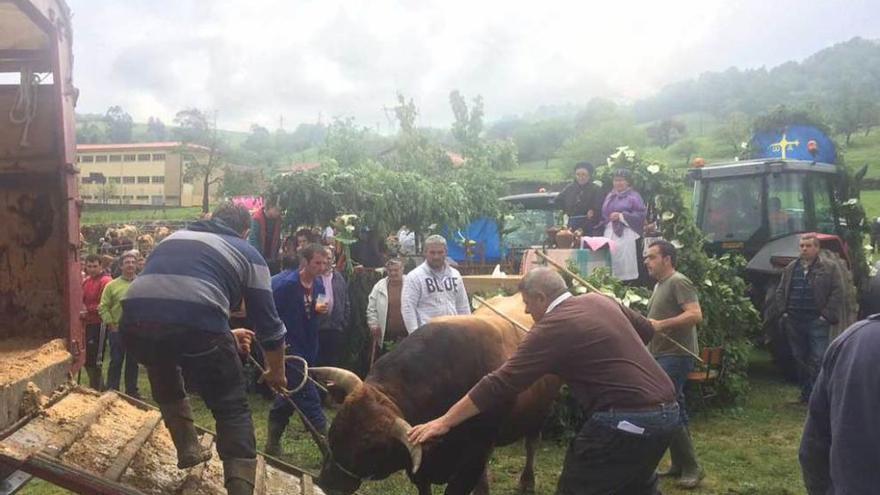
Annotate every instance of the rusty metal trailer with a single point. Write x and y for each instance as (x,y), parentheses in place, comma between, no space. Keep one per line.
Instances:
(50,428)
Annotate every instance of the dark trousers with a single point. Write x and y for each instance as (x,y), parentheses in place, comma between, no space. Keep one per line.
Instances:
(117,360)
(678,367)
(604,459)
(330,344)
(93,343)
(306,399)
(808,340)
(211,361)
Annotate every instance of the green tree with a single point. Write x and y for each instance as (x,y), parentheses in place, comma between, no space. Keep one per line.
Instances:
(685,149)
(595,144)
(156,129)
(735,130)
(239,182)
(346,143)
(194,126)
(119,125)
(666,132)
(541,140)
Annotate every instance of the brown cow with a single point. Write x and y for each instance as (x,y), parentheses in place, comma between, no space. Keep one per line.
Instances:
(419,380)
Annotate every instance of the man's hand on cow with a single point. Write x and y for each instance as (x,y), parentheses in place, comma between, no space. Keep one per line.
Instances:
(429,431)
(243,340)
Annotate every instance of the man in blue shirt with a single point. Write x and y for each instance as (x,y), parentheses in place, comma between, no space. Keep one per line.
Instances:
(175,315)
(299,298)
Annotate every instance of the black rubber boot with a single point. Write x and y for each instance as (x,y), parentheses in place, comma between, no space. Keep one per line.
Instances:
(273,438)
(95,381)
(178,419)
(240,476)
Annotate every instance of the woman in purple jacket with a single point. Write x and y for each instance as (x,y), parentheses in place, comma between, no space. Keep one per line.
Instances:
(624,215)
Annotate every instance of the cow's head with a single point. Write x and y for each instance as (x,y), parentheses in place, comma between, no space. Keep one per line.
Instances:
(367,438)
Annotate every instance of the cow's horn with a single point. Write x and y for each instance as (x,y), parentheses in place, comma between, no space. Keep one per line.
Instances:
(401,432)
(344,379)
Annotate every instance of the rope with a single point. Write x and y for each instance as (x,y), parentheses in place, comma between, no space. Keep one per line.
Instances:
(24,110)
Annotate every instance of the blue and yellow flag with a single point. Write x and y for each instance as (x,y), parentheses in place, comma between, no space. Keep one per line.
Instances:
(791,143)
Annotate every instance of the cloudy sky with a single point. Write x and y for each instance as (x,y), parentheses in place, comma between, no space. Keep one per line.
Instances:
(256,61)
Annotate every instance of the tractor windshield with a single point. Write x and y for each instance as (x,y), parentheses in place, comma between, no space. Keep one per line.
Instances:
(732,208)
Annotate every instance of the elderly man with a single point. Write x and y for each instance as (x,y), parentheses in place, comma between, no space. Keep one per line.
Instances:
(433,288)
(811,293)
(598,347)
(582,200)
(176,315)
(838,451)
(384,316)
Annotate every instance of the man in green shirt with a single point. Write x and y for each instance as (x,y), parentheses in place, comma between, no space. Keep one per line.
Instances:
(110,310)
(674,311)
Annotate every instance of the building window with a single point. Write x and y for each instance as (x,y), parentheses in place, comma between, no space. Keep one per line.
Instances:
(143,157)
(115,158)
(171,198)
(158,179)
(88,159)
(143,179)
(115,196)
(129,158)
(158,157)
(85,180)
(78,158)
(128,180)
(85,196)
(158,200)
(128,196)
(143,198)
(101,159)
(115,180)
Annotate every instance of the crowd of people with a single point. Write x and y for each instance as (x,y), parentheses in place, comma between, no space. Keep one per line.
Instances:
(210,295)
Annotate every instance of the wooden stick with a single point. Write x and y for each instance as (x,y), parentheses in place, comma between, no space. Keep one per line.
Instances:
(501,314)
(592,288)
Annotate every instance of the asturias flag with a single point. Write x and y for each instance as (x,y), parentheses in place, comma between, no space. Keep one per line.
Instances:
(791,143)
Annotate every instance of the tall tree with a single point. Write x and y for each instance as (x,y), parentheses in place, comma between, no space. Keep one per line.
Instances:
(195,127)
(119,125)
(666,132)
(156,130)
(735,130)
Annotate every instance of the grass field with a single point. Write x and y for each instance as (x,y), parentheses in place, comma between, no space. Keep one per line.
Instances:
(91,216)
(751,450)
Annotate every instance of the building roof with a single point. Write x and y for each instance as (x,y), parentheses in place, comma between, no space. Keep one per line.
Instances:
(162,145)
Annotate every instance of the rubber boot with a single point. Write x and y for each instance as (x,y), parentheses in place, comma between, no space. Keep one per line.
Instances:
(178,419)
(681,449)
(273,438)
(94,374)
(240,476)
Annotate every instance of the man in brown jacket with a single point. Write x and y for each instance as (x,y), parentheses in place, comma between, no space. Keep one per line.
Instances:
(810,294)
(598,347)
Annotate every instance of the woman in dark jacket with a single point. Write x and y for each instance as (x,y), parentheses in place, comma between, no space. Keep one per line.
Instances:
(581,200)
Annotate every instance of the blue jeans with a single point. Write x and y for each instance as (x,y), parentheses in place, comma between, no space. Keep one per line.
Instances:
(808,340)
(306,399)
(114,370)
(605,459)
(678,367)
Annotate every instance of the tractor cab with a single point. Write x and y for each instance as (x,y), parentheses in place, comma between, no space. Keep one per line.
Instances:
(758,208)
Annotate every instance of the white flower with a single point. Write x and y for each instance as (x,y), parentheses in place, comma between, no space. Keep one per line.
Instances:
(708,282)
(667,216)
(677,244)
(851,202)
(349,228)
(653,168)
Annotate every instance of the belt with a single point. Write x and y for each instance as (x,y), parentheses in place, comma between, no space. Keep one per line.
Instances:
(642,409)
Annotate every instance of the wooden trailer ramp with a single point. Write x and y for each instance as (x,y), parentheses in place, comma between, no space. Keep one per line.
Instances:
(108,443)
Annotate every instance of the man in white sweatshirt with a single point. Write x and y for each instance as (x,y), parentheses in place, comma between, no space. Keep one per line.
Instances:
(433,288)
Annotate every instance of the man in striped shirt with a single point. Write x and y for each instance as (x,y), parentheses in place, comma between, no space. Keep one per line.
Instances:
(176,314)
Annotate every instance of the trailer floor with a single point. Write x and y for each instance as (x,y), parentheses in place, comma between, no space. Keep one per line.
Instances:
(108,443)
